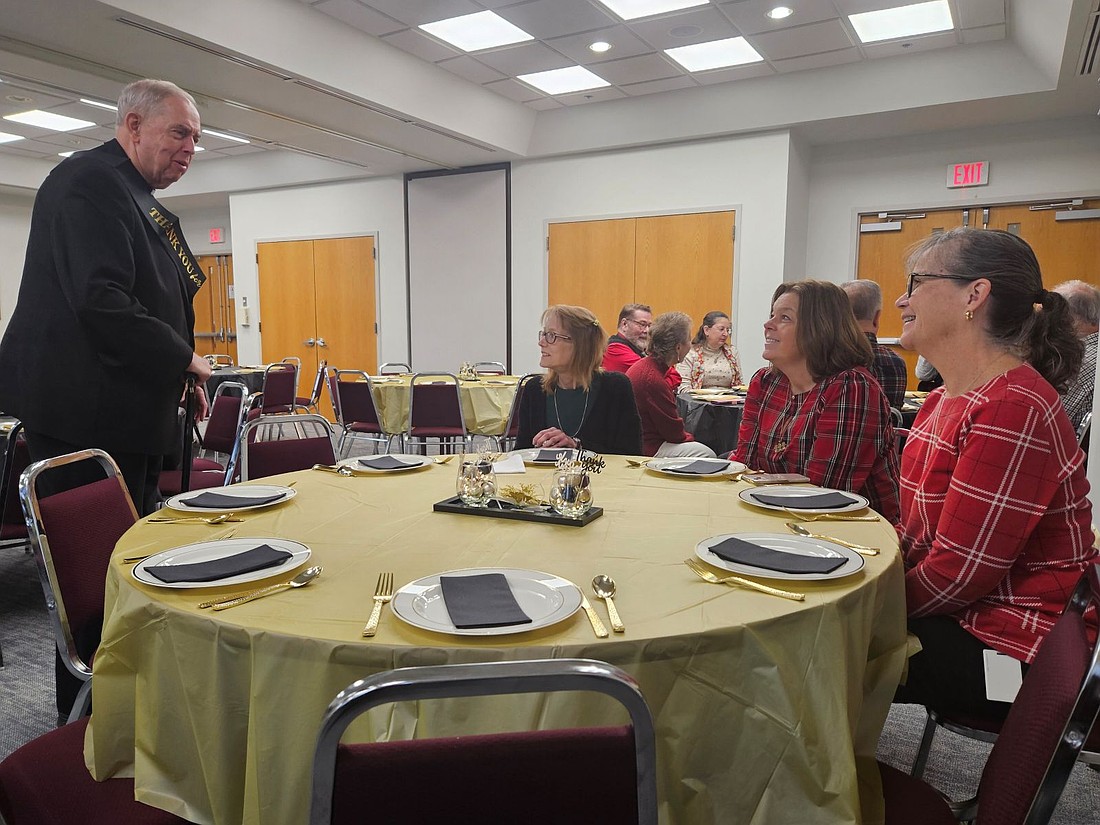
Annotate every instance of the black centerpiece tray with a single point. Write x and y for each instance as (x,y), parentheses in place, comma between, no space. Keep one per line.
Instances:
(498,508)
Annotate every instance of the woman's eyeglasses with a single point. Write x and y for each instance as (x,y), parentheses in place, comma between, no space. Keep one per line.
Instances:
(912,282)
(551,337)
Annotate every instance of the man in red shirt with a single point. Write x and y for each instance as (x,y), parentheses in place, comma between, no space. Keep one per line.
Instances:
(628,344)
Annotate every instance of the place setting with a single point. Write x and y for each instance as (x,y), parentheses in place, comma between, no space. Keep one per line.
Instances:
(223,562)
(695,467)
(236,497)
(381,464)
(803,499)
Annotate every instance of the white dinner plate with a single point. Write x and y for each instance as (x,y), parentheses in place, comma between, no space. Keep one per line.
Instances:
(243,490)
(667,466)
(546,598)
(411,462)
(783,543)
(794,493)
(529,455)
(219,549)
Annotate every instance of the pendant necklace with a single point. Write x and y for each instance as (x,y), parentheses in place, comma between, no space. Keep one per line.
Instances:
(557,414)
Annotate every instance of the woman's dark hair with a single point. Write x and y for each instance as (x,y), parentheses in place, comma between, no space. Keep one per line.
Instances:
(666,333)
(1031,321)
(827,332)
(709,320)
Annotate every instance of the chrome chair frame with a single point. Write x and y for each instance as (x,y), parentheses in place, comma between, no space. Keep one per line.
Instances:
(494,368)
(387,368)
(450,378)
(383,437)
(311,403)
(506,442)
(277,423)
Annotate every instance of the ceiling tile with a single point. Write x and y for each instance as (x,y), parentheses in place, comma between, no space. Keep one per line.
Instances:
(100,117)
(975,13)
(591,96)
(415,12)
(984,34)
(636,69)
(699,25)
(818,61)
(802,40)
(622,40)
(240,149)
(421,45)
(524,58)
(544,19)
(734,73)
(64,142)
(751,17)
(926,43)
(515,90)
(471,69)
(656,86)
(38,100)
(544,104)
(357,15)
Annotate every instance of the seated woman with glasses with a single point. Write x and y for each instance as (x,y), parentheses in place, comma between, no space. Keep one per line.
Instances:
(995,522)
(817,410)
(663,433)
(579,402)
(711,361)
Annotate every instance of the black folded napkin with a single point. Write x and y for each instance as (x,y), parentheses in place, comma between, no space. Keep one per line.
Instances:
(819,501)
(258,558)
(745,552)
(384,462)
(220,501)
(484,600)
(551,456)
(700,468)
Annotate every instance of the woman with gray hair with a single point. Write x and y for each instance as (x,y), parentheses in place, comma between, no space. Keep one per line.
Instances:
(663,433)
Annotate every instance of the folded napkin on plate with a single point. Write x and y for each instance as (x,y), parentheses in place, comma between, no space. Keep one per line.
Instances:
(220,501)
(484,600)
(258,558)
(512,464)
(745,552)
(700,468)
(551,456)
(819,501)
(384,462)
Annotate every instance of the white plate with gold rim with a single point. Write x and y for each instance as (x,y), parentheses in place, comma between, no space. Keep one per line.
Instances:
(244,491)
(668,467)
(783,543)
(219,549)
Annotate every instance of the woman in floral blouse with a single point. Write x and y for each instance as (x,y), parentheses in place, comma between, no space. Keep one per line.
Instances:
(712,360)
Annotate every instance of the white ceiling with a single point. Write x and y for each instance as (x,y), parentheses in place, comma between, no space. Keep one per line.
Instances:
(332,89)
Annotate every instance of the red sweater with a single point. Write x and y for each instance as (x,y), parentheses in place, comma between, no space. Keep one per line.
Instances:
(656,402)
(621,356)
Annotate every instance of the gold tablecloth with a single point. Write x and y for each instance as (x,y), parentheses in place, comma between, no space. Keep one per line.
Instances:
(485,403)
(766,710)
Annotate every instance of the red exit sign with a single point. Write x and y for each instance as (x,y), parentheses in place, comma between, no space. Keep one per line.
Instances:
(973,173)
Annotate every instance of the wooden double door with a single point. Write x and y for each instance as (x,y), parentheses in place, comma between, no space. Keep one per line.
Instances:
(215,316)
(1066,249)
(671,262)
(317,302)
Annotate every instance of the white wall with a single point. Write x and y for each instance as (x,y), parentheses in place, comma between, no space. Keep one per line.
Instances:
(15,226)
(197,224)
(747,173)
(374,206)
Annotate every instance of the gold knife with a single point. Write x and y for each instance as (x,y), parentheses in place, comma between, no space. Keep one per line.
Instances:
(594,618)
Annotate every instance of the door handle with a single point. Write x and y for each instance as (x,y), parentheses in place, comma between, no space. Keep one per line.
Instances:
(321,342)
(308,342)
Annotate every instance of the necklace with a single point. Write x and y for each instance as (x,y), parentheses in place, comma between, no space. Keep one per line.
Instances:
(990,370)
(780,446)
(557,415)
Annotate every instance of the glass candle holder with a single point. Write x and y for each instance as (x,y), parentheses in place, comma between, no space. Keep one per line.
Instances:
(571,495)
(477,483)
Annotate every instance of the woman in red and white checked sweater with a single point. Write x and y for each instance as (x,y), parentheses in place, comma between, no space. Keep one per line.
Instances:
(996,525)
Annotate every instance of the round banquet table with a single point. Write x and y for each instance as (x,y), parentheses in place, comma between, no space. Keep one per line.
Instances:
(485,402)
(766,710)
(251,377)
(712,419)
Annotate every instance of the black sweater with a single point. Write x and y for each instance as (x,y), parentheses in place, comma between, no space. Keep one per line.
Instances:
(611,424)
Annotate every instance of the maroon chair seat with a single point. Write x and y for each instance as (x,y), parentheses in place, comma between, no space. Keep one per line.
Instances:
(435,411)
(356,411)
(45,781)
(291,448)
(280,389)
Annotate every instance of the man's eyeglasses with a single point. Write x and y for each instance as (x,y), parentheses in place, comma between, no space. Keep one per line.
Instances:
(642,324)
(912,282)
(551,337)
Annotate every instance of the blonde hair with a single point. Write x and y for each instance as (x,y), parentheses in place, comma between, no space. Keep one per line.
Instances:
(589,342)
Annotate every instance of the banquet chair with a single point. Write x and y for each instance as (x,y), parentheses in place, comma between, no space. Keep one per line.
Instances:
(604,774)
(46,781)
(222,429)
(507,440)
(310,443)
(1040,739)
(435,411)
(280,389)
(356,411)
(13,527)
(310,404)
(394,368)
(72,535)
(490,368)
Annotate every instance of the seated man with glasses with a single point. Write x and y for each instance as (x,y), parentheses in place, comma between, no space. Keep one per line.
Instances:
(628,346)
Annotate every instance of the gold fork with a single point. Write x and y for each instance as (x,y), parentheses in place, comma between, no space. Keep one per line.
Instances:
(829,516)
(699,570)
(383,592)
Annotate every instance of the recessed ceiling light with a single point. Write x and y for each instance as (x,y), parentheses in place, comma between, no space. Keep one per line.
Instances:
(481,30)
(99,105)
(599,47)
(49,120)
(8,137)
(633,9)
(717,54)
(200,148)
(19,99)
(224,136)
(563,81)
(780,12)
(904,21)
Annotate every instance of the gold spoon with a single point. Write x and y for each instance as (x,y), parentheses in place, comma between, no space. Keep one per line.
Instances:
(604,587)
(334,468)
(859,548)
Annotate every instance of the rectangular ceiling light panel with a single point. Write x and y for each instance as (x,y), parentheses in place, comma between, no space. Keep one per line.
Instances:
(563,81)
(717,54)
(474,32)
(633,9)
(904,21)
(48,120)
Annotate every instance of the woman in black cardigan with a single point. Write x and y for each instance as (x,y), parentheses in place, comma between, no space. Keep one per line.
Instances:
(579,402)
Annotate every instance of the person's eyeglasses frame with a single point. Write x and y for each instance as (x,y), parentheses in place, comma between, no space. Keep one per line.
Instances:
(645,325)
(931,275)
(551,337)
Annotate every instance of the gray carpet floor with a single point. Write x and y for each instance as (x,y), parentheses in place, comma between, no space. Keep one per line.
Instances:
(27,703)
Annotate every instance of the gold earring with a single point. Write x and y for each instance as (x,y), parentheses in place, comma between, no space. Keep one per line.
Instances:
(969,315)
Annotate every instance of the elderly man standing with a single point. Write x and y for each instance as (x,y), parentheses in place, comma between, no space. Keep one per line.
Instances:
(1084,306)
(102,336)
(889,367)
